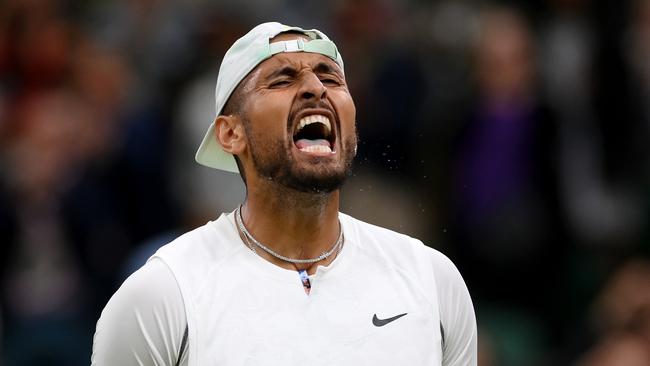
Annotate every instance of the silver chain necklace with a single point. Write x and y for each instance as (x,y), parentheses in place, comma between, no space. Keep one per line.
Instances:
(240,223)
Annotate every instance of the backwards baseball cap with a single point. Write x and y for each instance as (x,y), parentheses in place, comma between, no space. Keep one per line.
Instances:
(244,55)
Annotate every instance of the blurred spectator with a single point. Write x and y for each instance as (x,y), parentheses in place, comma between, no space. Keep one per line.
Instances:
(624,302)
(43,287)
(154,34)
(506,226)
(618,350)
(602,209)
(504,177)
(621,318)
(82,180)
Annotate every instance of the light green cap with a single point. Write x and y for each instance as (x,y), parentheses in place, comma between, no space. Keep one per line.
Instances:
(244,55)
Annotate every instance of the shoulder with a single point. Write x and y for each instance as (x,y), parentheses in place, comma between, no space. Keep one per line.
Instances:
(201,248)
(200,239)
(376,235)
(399,249)
(145,319)
(151,285)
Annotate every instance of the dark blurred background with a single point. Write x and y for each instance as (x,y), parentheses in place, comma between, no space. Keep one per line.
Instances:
(511,135)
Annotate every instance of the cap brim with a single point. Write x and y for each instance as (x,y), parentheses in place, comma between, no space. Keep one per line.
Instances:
(212,155)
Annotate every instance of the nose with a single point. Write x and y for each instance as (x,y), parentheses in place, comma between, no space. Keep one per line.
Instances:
(312,88)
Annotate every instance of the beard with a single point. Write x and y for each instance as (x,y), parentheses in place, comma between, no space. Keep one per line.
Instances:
(274,161)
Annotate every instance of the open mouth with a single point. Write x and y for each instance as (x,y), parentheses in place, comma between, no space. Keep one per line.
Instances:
(314,135)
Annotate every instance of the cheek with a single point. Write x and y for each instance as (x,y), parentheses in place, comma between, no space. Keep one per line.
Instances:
(268,115)
(347,112)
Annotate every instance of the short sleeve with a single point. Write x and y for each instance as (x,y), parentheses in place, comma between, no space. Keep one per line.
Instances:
(458,322)
(144,322)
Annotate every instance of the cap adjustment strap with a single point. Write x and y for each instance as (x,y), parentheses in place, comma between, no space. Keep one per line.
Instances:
(322,46)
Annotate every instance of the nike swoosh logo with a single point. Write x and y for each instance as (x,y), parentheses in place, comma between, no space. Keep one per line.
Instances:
(381,322)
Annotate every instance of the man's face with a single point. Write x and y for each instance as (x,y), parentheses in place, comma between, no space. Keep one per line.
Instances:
(300,121)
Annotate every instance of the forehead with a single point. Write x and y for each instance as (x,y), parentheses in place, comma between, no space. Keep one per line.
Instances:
(297,60)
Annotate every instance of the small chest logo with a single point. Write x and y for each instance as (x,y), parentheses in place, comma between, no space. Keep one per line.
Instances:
(381,322)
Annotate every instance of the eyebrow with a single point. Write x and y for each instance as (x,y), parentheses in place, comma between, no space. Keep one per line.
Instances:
(321,67)
(324,67)
(285,71)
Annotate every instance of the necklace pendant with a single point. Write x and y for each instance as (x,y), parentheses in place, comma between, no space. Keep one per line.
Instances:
(304,278)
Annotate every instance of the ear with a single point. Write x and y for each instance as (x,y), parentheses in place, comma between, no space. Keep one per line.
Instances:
(229,132)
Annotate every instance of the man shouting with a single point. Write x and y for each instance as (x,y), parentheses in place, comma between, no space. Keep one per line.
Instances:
(287,279)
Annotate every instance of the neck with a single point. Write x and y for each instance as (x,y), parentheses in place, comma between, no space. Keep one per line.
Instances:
(294,224)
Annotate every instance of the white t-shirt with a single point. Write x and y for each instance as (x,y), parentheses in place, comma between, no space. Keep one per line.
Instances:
(386,299)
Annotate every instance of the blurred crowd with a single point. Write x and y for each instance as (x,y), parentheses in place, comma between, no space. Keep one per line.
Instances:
(514,136)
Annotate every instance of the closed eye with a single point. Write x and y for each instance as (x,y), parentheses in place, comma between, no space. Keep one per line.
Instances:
(279,83)
(330,81)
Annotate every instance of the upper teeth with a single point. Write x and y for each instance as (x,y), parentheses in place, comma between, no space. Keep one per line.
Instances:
(314,118)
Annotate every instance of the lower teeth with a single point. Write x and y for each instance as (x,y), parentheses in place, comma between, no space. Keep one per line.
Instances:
(316,148)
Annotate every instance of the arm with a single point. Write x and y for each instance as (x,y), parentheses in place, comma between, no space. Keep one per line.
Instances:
(144,322)
(457,319)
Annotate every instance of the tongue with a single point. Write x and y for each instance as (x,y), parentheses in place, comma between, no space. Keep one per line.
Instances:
(302,143)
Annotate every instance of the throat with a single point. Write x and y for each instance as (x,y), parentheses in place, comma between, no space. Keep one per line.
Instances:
(288,204)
